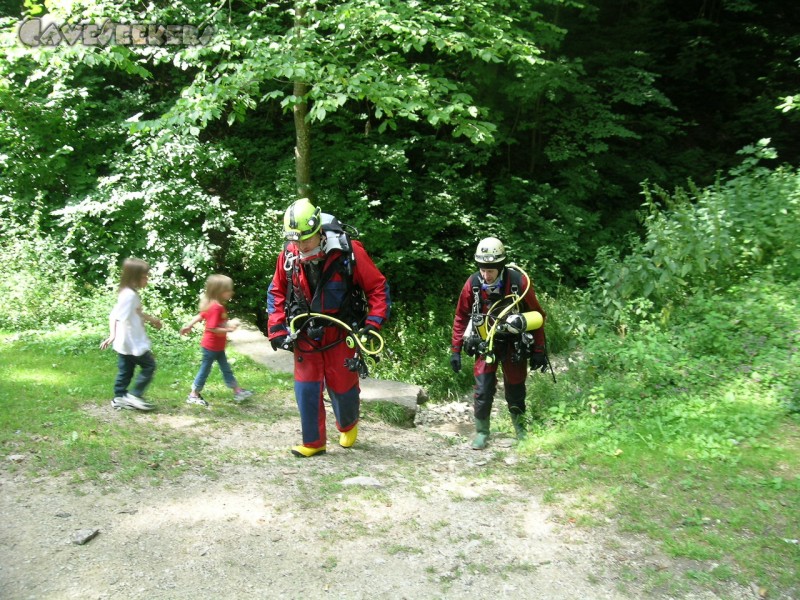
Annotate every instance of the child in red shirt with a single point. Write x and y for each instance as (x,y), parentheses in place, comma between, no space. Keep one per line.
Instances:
(218,292)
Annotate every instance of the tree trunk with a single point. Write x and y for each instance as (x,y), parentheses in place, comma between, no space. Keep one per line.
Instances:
(302,128)
(302,149)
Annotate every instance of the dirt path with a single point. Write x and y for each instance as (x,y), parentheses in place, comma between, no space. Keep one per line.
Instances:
(406,513)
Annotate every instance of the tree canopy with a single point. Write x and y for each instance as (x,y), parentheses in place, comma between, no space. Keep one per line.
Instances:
(426,125)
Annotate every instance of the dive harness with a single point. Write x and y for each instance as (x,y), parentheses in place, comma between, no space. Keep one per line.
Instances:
(336,236)
(522,325)
(368,346)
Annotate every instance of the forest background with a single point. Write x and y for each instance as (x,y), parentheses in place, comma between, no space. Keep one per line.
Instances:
(425,126)
(563,128)
(638,159)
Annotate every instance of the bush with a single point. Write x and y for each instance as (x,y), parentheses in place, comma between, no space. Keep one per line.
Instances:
(155,205)
(38,290)
(702,241)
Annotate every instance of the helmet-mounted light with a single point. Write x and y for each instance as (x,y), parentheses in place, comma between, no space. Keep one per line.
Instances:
(490,254)
(301,221)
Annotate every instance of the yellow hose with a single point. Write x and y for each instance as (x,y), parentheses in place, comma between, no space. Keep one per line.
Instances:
(351,334)
(505,311)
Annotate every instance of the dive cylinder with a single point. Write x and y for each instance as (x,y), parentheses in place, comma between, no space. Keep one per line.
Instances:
(520,322)
(480,325)
(333,231)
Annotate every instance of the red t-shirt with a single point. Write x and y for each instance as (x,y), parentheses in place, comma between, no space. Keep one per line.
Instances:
(214,316)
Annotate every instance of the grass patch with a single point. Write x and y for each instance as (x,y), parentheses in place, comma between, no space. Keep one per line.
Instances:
(685,429)
(55,408)
(732,519)
(395,549)
(389,413)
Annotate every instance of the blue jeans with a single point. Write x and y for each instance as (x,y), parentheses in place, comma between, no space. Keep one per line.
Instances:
(126,364)
(209,356)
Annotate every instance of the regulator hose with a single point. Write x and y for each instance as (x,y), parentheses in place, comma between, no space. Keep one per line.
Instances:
(352,340)
(516,299)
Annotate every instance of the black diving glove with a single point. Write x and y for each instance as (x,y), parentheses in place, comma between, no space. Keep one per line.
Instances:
(538,361)
(282,342)
(363,333)
(455,361)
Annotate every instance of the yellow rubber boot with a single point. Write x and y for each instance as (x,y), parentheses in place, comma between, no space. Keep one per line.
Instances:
(305,451)
(348,438)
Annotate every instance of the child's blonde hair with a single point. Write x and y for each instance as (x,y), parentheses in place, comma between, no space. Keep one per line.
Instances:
(216,285)
(133,270)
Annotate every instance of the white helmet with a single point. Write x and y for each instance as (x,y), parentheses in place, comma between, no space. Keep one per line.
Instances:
(490,254)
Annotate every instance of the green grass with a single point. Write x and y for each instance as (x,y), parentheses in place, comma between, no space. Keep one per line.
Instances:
(392,414)
(732,514)
(394,549)
(55,409)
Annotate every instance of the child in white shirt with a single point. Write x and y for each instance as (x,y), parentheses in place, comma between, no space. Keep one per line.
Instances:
(129,338)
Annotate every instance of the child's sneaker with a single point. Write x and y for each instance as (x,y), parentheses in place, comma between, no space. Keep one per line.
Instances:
(119,403)
(198,399)
(242,395)
(137,403)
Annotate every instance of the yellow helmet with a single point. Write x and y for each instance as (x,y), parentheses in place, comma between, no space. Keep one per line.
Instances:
(490,254)
(301,220)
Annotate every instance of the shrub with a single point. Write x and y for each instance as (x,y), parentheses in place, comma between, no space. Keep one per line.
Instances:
(702,241)
(37,288)
(418,343)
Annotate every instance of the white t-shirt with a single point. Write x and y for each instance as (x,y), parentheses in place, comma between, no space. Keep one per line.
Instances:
(131,337)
